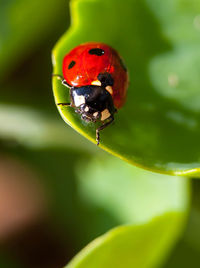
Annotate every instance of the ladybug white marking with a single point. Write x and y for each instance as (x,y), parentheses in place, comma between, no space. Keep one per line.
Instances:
(86,109)
(109,89)
(78,100)
(96,83)
(95,114)
(105,114)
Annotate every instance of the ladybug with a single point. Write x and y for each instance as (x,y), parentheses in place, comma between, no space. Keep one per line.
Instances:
(97,80)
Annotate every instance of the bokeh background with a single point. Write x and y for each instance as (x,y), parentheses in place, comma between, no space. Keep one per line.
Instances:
(46,216)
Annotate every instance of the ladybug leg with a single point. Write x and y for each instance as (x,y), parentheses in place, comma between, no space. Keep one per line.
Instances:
(64,104)
(111,119)
(60,77)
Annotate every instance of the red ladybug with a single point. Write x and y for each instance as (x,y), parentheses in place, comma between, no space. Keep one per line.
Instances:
(97,79)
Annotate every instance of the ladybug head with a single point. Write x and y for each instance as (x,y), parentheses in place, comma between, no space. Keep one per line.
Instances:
(92,102)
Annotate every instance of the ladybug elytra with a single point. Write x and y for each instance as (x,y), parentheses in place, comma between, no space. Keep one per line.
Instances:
(97,79)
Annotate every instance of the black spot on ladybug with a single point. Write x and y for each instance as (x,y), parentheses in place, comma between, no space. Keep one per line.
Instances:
(122,64)
(72,63)
(96,51)
(105,79)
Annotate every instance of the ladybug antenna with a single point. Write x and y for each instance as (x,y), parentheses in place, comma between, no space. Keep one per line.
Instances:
(60,77)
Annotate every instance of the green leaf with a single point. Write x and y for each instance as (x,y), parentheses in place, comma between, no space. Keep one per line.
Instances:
(159,127)
(150,209)
(139,246)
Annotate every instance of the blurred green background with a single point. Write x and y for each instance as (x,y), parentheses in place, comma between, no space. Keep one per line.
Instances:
(58,191)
